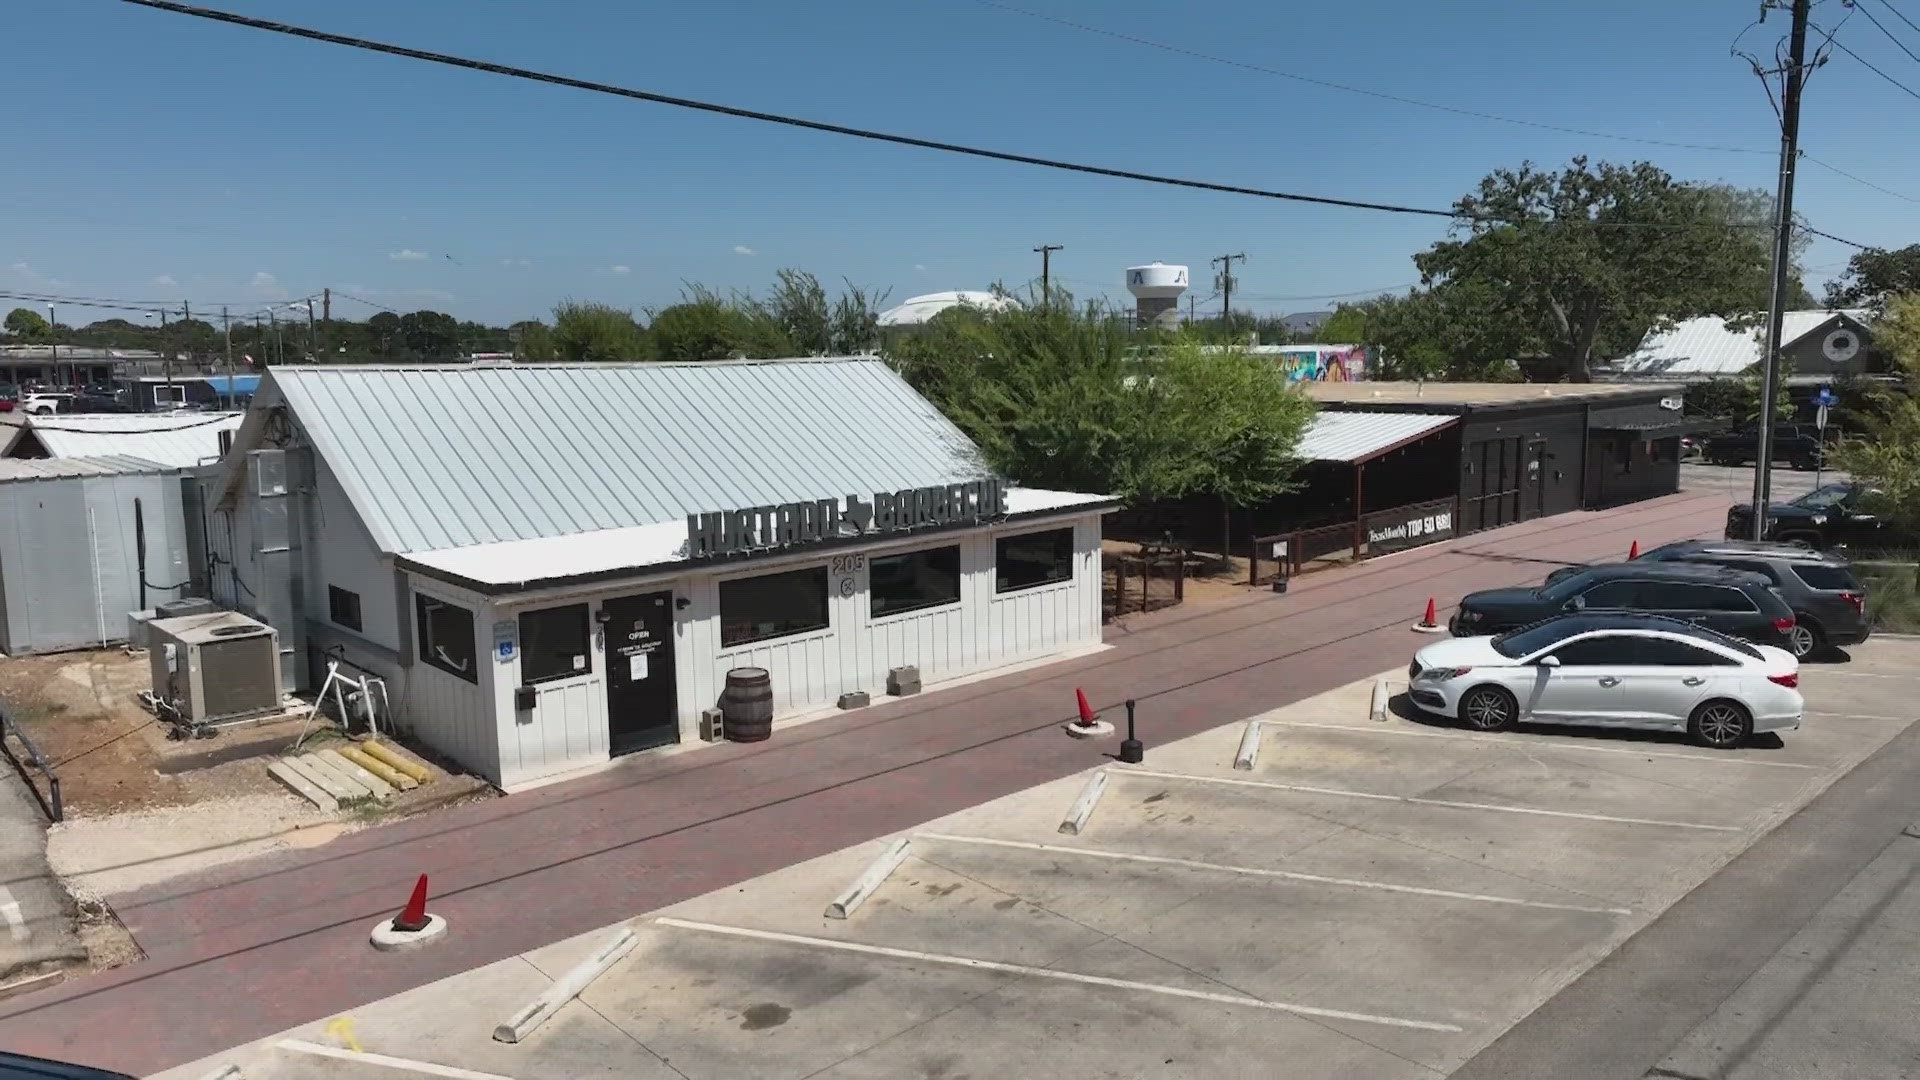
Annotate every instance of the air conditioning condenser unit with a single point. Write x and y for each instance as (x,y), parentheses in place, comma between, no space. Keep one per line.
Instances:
(217,667)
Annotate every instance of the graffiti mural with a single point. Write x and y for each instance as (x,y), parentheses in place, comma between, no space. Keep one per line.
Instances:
(1324,363)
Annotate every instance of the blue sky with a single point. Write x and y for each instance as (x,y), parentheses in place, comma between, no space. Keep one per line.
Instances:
(155,156)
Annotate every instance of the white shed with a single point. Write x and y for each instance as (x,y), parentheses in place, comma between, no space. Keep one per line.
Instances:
(75,535)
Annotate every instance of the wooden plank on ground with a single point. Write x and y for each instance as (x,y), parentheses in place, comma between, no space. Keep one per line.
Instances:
(302,786)
(343,791)
(338,763)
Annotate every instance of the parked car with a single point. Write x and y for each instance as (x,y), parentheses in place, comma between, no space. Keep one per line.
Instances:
(1741,604)
(98,403)
(1832,515)
(1612,670)
(46,402)
(1829,603)
(9,396)
(22,1067)
(1802,446)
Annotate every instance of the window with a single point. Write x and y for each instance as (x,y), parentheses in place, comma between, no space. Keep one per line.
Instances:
(772,606)
(1665,652)
(170,395)
(1030,560)
(1596,652)
(446,636)
(1744,565)
(1613,594)
(343,607)
(553,644)
(1826,497)
(912,580)
(1822,576)
(1686,596)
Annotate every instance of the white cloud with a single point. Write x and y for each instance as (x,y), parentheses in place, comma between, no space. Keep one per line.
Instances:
(920,268)
(742,249)
(622,269)
(163,279)
(263,280)
(406,255)
(22,268)
(517,263)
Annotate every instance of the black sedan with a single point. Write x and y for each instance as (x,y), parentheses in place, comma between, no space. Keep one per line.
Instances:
(1734,602)
(1833,515)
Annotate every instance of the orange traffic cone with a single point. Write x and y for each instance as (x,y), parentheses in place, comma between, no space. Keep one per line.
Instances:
(1086,711)
(1634,551)
(414,917)
(1432,617)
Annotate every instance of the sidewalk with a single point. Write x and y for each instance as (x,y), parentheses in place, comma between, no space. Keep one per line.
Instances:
(267,945)
(36,915)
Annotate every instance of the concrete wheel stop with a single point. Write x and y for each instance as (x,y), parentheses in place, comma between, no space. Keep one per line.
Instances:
(413,928)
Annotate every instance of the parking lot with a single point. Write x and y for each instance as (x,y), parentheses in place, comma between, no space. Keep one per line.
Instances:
(1371,898)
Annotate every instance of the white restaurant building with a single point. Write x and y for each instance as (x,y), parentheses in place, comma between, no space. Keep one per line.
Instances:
(553,565)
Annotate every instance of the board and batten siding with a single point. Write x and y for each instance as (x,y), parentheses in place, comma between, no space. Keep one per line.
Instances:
(443,710)
(567,728)
(984,630)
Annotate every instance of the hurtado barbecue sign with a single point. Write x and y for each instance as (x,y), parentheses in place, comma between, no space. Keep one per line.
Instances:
(763,528)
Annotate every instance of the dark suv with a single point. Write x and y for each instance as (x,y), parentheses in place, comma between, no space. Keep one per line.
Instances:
(1828,516)
(1742,605)
(1802,446)
(1829,604)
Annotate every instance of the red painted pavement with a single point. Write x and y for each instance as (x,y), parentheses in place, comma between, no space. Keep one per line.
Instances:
(257,947)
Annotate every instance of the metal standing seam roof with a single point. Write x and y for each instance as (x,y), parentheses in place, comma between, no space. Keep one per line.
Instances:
(56,468)
(445,457)
(1357,436)
(1704,346)
(177,440)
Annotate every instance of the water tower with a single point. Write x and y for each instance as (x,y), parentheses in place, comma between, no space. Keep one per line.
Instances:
(1156,288)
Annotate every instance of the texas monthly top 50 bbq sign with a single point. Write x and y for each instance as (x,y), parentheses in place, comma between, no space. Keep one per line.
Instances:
(759,528)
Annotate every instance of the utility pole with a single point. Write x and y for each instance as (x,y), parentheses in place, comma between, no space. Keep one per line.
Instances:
(1794,82)
(226,327)
(1046,272)
(53,337)
(326,306)
(273,321)
(166,353)
(1225,262)
(186,316)
(313,342)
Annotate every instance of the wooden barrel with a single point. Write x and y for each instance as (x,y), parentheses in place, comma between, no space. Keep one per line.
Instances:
(747,704)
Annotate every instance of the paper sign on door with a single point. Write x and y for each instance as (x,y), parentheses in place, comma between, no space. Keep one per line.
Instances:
(637,667)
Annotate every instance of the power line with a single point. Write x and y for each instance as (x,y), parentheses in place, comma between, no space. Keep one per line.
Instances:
(1858,180)
(369,303)
(1882,28)
(1381,95)
(766,117)
(1803,227)
(1841,45)
(1896,14)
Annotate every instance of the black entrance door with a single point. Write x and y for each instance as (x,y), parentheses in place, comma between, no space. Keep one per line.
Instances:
(642,711)
(1533,482)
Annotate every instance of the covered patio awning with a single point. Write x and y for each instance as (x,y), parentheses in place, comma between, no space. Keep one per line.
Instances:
(1355,438)
(1661,429)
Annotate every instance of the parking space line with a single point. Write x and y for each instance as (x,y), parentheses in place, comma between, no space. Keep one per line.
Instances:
(1416,800)
(1859,716)
(1055,974)
(1318,879)
(1495,741)
(1823,672)
(301,1046)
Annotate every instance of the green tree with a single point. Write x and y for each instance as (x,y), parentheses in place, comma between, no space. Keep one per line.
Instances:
(588,332)
(430,335)
(1066,399)
(27,325)
(532,341)
(1597,254)
(384,330)
(1887,457)
(1454,330)
(1874,275)
(706,327)
(1348,325)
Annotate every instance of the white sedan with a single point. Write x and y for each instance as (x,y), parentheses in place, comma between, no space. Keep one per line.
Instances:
(1625,671)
